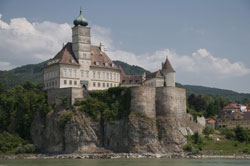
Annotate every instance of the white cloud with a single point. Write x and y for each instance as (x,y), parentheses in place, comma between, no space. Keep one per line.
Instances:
(23,42)
(5,66)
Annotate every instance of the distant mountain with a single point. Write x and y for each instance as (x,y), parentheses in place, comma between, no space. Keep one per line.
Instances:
(131,69)
(34,74)
(229,94)
(19,75)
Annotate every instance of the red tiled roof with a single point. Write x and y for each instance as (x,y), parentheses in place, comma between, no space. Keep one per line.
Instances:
(231,106)
(131,79)
(211,120)
(66,56)
(167,66)
(98,56)
(156,74)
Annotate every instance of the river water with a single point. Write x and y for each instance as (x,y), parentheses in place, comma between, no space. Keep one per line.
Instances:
(126,162)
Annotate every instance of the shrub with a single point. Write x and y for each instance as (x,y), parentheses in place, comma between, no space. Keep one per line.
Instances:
(208,130)
(194,149)
(10,142)
(29,148)
(197,138)
(228,133)
(241,134)
(246,150)
(110,105)
(65,117)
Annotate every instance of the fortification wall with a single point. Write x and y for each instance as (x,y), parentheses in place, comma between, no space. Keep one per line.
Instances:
(170,102)
(143,100)
(55,95)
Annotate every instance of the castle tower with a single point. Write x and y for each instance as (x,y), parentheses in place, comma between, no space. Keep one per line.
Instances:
(81,39)
(169,73)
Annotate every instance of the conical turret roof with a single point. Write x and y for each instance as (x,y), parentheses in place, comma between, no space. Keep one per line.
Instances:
(167,67)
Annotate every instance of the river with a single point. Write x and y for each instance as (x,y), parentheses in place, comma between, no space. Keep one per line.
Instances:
(125,162)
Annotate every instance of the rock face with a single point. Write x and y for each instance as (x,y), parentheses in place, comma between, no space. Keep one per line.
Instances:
(157,123)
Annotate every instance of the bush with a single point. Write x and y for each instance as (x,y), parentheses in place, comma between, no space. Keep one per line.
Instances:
(65,117)
(29,148)
(197,138)
(194,149)
(246,150)
(208,130)
(93,107)
(110,105)
(10,142)
(228,133)
(241,134)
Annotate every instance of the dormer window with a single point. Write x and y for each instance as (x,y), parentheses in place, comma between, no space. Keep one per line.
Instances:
(112,65)
(72,60)
(106,64)
(96,63)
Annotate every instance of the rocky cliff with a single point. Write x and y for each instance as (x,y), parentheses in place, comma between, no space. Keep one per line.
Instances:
(157,123)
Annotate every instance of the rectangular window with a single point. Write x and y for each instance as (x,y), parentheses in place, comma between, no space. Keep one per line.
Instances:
(65,82)
(103,75)
(107,76)
(75,73)
(70,82)
(55,82)
(70,73)
(99,84)
(82,74)
(64,73)
(93,84)
(99,75)
(115,76)
(75,82)
(93,74)
(110,76)
(107,84)
(103,84)
(111,84)
(87,74)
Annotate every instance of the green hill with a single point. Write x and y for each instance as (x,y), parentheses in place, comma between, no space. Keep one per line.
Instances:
(131,69)
(34,74)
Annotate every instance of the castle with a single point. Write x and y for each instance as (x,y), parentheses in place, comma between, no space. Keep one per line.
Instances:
(80,66)
(157,120)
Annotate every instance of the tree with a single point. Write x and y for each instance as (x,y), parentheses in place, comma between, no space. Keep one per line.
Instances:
(28,85)
(241,134)
(208,130)
(2,89)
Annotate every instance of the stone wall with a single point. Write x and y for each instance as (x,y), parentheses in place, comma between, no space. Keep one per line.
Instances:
(143,100)
(71,94)
(170,102)
(168,106)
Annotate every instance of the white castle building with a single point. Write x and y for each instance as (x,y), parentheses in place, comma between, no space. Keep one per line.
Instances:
(81,66)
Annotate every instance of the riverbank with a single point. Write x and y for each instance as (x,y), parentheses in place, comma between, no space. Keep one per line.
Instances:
(119,156)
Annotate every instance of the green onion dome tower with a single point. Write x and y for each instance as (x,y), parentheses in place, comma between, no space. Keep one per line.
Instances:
(80,20)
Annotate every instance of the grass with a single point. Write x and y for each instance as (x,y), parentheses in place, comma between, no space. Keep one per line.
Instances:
(218,144)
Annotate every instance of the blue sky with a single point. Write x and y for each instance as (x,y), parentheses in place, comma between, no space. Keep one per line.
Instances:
(208,42)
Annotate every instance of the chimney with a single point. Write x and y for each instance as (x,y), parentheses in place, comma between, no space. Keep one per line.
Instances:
(102,47)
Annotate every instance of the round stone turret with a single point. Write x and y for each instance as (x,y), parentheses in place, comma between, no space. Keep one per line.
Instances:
(80,20)
(169,73)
